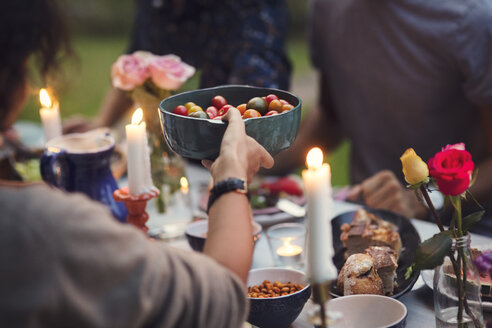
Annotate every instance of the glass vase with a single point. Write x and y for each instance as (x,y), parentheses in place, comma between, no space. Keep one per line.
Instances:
(167,167)
(457,301)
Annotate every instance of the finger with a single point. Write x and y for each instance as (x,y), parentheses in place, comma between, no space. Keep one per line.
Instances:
(207,163)
(374,183)
(355,193)
(384,195)
(266,160)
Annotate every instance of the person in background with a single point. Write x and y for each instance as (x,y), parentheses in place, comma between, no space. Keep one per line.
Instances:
(395,75)
(231,42)
(64,260)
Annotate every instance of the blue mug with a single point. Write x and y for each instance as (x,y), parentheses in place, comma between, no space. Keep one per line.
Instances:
(80,162)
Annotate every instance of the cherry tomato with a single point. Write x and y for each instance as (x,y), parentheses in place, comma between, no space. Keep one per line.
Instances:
(241,108)
(195,109)
(212,111)
(271,97)
(275,105)
(284,102)
(272,112)
(198,114)
(180,110)
(251,113)
(287,107)
(189,104)
(259,104)
(223,110)
(219,101)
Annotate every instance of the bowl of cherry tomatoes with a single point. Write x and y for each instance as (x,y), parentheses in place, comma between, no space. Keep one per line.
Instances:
(192,125)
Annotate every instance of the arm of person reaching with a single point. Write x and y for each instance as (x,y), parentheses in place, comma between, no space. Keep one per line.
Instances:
(319,128)
(115,105)
(229,234)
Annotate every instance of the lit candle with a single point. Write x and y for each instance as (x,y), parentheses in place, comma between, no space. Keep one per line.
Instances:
(50,116)
(184,185)
(147,175)
(289,253)
(136,143)
(317,181)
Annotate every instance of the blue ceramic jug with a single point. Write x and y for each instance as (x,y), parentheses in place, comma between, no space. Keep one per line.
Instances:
(80,162)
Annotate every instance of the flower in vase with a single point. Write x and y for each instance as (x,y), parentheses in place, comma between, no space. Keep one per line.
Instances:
(169,72)
(128,72)
(414,168)
(452,168)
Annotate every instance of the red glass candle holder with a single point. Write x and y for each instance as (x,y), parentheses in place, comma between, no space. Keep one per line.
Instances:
(136,206)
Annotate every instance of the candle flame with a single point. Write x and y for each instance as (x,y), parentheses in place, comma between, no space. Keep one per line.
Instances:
(44,98)
(137,116)
(314,158)
(184,183)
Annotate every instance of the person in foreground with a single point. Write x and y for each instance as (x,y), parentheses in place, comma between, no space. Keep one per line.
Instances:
(64,260)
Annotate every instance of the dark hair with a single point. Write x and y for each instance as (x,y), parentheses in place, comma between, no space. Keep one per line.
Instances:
(29,27)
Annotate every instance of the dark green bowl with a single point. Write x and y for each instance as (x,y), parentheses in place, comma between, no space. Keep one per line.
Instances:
(200,138)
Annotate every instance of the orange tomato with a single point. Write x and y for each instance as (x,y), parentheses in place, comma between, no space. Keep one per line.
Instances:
(275,105)
(241,108)
(251,113)
(287,107)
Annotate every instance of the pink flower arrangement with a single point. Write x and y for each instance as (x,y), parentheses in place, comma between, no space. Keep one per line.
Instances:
(166,72)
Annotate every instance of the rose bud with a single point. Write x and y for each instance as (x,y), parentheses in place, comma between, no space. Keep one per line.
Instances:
(414,168)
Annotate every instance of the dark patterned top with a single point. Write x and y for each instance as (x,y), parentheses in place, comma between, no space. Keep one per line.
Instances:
(231,41)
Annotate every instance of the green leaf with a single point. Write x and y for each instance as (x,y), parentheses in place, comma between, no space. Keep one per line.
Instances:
(431,252)
(470,220)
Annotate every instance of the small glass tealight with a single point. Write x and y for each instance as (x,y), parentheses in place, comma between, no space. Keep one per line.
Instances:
(287,244)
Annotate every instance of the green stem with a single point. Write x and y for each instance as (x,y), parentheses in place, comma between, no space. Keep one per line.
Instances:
(431,207)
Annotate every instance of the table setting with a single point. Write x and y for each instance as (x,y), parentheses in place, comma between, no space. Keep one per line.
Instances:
(305,236)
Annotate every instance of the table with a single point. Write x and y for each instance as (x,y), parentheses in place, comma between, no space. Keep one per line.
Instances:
(419,301)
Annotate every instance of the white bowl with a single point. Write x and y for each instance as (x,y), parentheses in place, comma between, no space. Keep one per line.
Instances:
(368,311)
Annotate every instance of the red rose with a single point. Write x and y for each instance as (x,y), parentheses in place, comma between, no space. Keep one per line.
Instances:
(452,169)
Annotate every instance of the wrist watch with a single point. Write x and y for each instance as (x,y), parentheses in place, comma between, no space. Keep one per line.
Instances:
(225,186)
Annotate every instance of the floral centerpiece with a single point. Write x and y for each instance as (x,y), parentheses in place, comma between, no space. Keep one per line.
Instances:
(456,279)
(148,79)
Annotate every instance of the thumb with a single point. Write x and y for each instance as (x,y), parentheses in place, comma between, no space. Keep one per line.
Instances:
(207,163)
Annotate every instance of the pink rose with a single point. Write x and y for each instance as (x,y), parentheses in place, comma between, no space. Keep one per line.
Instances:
(458,146)
(128,72)
(169,72)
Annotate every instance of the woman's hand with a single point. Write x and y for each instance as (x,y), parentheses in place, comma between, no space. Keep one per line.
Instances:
(240,155)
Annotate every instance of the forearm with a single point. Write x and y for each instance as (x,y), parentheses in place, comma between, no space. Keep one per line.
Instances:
(229,239)
(115,105)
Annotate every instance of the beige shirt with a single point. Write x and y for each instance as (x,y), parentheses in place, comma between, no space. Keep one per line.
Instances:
(65,262)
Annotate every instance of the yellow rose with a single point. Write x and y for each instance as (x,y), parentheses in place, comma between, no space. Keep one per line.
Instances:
(414,168)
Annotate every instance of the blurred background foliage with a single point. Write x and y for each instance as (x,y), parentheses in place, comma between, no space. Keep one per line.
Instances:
(100,31)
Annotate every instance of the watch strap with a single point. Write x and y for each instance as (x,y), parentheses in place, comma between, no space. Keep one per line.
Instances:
(226,186)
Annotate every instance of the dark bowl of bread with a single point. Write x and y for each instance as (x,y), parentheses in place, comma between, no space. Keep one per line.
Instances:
(373,249)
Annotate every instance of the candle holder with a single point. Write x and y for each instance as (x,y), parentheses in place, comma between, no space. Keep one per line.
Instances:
(287,243)
(321,318)
(136,206)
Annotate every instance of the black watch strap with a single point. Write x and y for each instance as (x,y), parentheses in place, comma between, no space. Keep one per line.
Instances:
(225,186)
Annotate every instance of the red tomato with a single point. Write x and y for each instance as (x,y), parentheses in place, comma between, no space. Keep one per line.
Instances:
(212,111)
(223,110)
(219,101)
(180,110)
(271,97)
(251,113)
(272,112)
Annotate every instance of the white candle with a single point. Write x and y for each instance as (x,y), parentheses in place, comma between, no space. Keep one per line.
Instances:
(317,182)
(136,142)
(289,253)
(147,175)
(50,116)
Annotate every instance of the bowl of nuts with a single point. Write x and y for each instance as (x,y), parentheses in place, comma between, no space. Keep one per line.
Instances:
(192,125)
(276,296)
(196,233)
